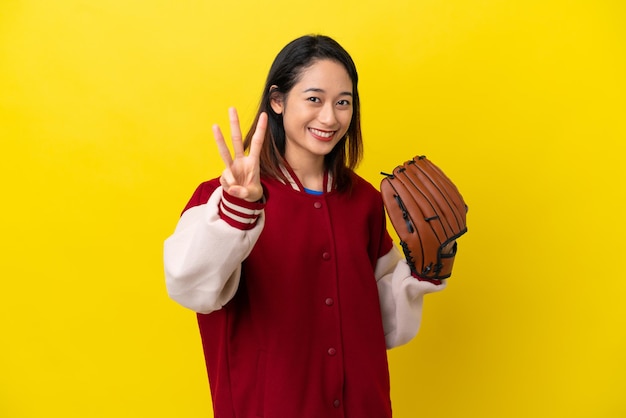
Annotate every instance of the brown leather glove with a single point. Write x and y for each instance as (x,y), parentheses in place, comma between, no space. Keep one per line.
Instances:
(428,213)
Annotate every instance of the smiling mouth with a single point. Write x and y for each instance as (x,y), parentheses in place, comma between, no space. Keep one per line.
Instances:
(323,135)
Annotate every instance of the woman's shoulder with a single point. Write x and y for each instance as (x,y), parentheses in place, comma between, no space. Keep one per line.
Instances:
(202,193)
(361,184)
(362,189)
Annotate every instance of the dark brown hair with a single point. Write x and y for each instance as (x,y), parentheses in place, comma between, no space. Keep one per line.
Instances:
(284,73)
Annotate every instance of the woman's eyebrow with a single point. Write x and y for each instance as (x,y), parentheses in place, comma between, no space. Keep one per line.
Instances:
(318,90)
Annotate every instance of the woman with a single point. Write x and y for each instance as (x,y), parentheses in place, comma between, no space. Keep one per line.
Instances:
(286,257)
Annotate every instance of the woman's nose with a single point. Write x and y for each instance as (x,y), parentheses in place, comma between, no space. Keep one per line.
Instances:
(327,114)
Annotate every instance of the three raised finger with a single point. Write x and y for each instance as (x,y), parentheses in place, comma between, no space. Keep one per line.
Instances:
(221,146)
(235,132)
(259,135)
(237,140)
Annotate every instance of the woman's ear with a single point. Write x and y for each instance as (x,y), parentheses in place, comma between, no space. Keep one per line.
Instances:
(276,100)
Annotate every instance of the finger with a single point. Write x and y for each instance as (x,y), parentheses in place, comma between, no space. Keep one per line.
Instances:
(221,146)
(227,179)
(259,136)
(235,132)
(238,191)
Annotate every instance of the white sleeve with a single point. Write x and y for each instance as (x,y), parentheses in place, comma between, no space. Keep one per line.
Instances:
(401,298)
(203,256)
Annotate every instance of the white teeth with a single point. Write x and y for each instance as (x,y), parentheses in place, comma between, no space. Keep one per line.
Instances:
(322,133)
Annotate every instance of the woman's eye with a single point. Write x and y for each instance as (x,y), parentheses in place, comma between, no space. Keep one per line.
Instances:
(343,103)
(314,99)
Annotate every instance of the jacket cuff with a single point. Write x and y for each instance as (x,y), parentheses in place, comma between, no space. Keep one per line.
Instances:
(240,213)
(425,279)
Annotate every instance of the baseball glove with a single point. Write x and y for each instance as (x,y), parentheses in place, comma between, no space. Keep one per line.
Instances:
(428,213)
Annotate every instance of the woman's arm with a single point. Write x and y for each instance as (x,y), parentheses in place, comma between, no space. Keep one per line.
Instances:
(401,298)
(203,256)
(219,227)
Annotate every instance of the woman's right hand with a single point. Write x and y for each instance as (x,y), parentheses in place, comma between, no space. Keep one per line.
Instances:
(241,177)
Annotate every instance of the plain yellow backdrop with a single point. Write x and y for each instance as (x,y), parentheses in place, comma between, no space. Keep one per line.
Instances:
(106,110)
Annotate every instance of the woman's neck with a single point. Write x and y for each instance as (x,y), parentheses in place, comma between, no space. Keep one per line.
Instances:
(311,174)
(307,166)
(311,179)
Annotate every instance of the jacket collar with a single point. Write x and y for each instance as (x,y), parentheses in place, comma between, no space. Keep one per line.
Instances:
(294,182)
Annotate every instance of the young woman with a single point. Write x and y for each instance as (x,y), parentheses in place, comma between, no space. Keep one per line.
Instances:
(286,257)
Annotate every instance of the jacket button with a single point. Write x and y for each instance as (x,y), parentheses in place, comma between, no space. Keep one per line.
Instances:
(336,403)
(332,351)
(317,205)
(329,301)
(326,256)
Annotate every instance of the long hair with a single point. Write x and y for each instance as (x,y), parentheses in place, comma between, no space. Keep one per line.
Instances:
(284,73)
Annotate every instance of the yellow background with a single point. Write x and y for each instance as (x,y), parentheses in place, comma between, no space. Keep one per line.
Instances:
(106,109)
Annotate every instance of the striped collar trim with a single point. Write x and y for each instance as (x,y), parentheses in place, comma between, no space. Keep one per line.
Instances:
(294,182)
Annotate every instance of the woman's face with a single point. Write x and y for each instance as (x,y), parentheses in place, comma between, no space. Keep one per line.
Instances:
(316,112)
